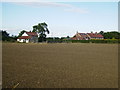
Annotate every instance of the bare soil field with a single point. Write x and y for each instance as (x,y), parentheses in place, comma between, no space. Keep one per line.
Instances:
(70,65)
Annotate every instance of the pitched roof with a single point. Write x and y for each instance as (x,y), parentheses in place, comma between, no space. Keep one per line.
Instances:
(24,37)
(92,35)
(73,38)
(84,35)
(80,36)
(32,33)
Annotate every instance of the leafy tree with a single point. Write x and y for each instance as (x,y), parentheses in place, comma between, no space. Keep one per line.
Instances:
(21,33)
(41,30)
(101,32)
(0,35)
(65,38)
(14,37)
(111,35)
(5,36)
(68,37)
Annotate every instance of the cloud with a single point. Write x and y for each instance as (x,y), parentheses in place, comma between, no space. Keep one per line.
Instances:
(66,7)
(48,4)
(77,10)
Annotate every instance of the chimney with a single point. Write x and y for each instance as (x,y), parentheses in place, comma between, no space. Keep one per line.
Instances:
(77,32)
(91,31)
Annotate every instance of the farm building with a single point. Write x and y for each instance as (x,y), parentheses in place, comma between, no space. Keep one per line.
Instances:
(28,37)
(95,36)
(87,36)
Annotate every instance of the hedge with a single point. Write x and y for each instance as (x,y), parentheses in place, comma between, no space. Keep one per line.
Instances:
(85,41)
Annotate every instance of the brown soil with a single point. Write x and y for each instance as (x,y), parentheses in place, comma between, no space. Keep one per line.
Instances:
(60,65)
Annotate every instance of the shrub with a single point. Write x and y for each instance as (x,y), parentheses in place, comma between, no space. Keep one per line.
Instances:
(94,41)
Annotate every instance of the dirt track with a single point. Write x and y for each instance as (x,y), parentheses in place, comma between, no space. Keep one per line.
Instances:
(60,65)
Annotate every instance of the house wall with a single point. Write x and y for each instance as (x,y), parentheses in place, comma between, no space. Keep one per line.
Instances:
(88,36)
(97,38)
(23,40)
(18,40)
(34,39)
(24,34)
(27,41)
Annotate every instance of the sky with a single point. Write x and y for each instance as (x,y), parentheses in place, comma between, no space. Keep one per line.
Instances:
(63,18)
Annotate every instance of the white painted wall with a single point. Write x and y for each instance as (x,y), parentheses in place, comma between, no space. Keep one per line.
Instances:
(23,40)
(27,41)
(18,40)
(25,34)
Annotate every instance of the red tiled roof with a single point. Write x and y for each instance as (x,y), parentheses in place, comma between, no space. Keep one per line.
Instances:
(78,37)
(84,35)
(95,35)
(24,37)
(74,38)
(31,33)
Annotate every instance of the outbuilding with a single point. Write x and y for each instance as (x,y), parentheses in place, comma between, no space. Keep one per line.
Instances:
(28,37)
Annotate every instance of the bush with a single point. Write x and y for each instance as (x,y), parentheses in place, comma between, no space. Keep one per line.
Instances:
(84,41)
(94,41)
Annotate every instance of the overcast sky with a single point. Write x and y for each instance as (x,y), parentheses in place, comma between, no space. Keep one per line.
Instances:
(63,18)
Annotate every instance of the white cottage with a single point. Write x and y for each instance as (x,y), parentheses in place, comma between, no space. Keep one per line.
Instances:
(28,37)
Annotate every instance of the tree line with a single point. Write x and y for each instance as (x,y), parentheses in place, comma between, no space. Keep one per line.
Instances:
(110,35)
(6,37)
(42,30)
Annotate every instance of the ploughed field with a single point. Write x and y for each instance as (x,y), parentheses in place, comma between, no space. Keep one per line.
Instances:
(73,65)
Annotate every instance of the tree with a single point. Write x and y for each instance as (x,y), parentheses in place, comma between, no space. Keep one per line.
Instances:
(101,32)
(14,37)
(111,35)
(5,36)
(41,29)
(21,33)
(68,37)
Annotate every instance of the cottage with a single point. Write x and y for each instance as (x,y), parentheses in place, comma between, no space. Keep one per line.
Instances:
(95,36)
(28,37)
(87,36)
(80,36)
